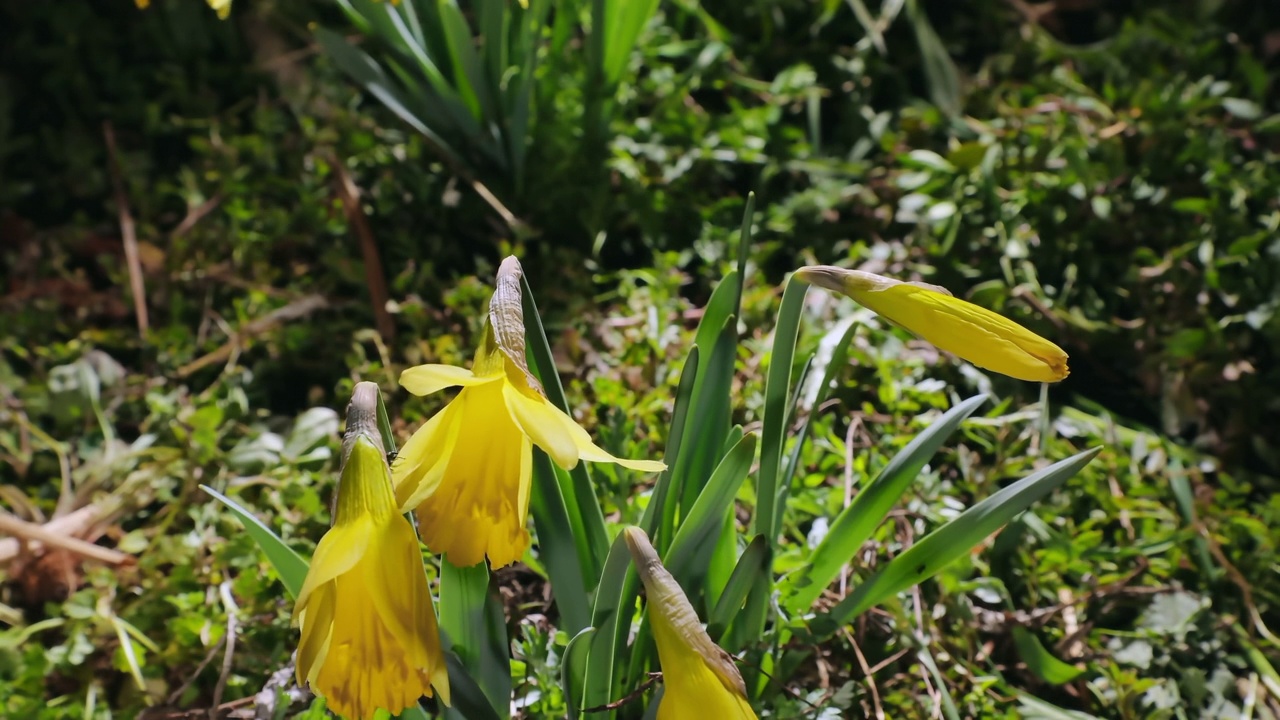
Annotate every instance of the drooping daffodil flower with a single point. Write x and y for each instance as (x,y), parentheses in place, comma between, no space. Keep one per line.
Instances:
(699,678)
(982,337)
(467,471)
(369,634)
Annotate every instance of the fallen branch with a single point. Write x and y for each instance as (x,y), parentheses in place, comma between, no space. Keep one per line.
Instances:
(73,524)
(24,530)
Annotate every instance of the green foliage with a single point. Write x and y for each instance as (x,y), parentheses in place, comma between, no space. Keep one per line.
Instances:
(1109,180)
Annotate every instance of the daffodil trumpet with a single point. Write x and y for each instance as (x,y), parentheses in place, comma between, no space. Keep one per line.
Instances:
(369,637)
(467,472)
(982,337)
(699,678)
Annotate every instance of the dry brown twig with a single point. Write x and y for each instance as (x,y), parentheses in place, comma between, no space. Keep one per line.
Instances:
(128,232)
(24,531)
(373,274)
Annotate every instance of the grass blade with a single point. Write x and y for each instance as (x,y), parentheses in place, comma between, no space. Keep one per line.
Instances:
(949,542)
(856,522)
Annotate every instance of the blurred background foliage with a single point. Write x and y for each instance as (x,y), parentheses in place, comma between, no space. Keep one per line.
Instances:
(1103,172)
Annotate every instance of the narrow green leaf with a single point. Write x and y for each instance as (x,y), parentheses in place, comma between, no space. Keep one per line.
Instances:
(655,513)
(939,70)
(622,24)
(694,542)
(748,627)
(859,520)
(712,414)
(751,566)
(573,673)
(944,693)
(949,542)
(291,568)
(612,616)
(828,364)
(744,246)
(469,700)
(557,548)
(1033,708)
(768,518)
(473,626)
(1040,661)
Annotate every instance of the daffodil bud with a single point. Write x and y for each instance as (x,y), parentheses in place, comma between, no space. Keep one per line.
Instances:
(699,677)
(982,337)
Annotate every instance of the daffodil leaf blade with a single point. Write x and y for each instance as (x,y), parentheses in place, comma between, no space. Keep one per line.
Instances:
(861,517)
(290,566)
(752,564)
(612,615)
(949,542)
(558,545)
(473,626)
(828,363)
(574,670)
(694,542)
(657,521)
(469,700)
(712,414)
(769,497)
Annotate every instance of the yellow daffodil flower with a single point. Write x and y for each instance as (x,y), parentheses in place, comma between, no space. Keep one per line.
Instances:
(700,679)
(369,635)
(974,333)
(467,471)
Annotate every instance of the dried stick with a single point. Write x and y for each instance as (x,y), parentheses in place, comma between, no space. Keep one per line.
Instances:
(373,274)
(127,233)
(31,531)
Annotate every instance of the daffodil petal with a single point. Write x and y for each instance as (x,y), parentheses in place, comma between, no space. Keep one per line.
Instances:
(337,552)
(475,508)
(317,623)
(397,584)
(420,465)
(427,379)
(589,451)
(545,424)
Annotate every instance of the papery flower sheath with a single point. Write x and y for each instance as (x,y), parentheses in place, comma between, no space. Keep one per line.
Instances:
(700,680)
(369,634)
(982,337)
(467,471)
